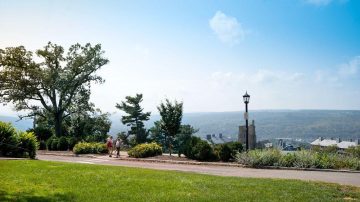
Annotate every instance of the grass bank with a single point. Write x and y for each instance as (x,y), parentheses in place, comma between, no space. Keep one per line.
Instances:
(31,180)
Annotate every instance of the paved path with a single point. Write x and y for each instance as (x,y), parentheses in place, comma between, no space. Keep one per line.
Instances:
(334,177)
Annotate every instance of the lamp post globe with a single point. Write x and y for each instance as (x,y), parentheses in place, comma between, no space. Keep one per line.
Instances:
(246,98)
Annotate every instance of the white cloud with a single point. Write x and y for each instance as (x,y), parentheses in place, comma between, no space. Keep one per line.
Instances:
(227,28)
(351,68)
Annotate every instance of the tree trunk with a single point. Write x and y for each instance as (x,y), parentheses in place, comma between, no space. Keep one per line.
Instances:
(58,124)
(170,140)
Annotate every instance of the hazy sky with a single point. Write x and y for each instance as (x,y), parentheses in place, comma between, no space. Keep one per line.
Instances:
(288,54)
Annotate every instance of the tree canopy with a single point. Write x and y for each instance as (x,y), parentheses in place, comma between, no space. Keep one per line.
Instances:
(135,117)
(53,83)
(170,122)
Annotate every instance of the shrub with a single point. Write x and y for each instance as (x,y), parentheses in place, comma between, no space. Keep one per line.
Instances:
(228,151)
(72,142)
(49,142)
(305,159)
(55,144)
(188,147)
(223,151)
(8,141)
(354,151)
(260,158)
(90,148)
(203,151)
(145,150)
(28,144)
(63,144)
(42,145)
(287,160)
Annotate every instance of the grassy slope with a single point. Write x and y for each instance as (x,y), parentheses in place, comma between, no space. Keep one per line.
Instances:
(28,180)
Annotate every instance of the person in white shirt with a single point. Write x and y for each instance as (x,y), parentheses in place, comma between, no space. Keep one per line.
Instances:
(117,145)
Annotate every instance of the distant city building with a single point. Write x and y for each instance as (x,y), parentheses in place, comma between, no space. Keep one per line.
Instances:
(335,142)
(252,135)
(218,139)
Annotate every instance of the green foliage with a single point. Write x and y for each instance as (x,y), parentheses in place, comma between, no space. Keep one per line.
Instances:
(63,144)
(354,151)
(299,159)
(42,132)
(42,145)
(135,117)
(72,142)
(49,143)
(287,160)
(260,158)
(17,144)
(183,138)
(198,149)
(90,148)
(145,150)
(58,82)
(28,144)
(227,151)
(91,127)
(170,122)
(8,141)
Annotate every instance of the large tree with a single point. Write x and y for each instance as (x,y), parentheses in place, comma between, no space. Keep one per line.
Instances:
(170,122)
(135,117)
(51,83)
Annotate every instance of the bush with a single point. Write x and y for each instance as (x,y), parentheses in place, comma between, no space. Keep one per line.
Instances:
(28,144)
(198,149)
(203,151)
(299,159)
(54,144)
(228,151)
(354,151)
(260,158)
(42,145)
(8,141)
(90,148)
(49,143)
(145,150)
(72,142)
(287,160)
(63,144)
(305,159)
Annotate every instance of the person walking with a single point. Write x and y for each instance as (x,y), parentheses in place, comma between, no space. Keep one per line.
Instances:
(109,145)
(117,145)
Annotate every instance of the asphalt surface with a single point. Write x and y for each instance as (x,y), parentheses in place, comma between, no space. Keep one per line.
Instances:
(332,177)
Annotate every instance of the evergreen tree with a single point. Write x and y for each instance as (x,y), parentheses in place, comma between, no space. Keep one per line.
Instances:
(135,117)
(171,115)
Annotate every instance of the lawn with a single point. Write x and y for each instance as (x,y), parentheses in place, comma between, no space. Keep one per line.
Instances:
(33,180)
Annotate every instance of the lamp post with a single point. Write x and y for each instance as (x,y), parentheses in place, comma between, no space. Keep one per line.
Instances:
(246,98)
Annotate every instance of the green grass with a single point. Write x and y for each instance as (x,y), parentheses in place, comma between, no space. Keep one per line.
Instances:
(31,180)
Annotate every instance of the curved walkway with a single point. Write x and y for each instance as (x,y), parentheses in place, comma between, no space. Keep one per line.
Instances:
(333,177)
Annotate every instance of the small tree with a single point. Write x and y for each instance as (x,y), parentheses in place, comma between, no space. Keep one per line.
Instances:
(171,115)
(184,137)
(135,117)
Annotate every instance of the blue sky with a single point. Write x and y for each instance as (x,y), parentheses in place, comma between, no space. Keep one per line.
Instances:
(288,54)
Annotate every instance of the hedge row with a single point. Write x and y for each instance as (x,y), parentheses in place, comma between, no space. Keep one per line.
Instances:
(17,144)
(145,150)
(90,148)
(299,159)
(58,144)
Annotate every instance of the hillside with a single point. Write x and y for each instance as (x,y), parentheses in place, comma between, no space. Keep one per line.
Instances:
(297,124)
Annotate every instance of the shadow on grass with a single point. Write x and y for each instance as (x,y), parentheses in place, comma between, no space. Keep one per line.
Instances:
(27,196)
